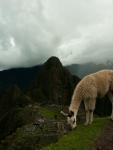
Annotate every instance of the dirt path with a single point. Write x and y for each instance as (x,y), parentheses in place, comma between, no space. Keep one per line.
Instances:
(105,142)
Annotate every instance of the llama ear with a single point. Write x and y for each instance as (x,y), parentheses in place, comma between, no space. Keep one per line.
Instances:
(64,114)
(71,113)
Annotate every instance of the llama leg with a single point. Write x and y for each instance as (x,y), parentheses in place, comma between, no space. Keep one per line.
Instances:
(110,95)
(91,117)
(91,109)
(87,117)
(86,103)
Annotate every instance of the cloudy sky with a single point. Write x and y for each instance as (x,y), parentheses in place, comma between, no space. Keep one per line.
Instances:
(76,31)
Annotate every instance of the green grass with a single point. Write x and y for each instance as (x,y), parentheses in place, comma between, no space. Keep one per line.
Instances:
(81,138)
(50,112)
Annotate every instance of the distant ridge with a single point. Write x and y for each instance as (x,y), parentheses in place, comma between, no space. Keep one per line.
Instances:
(20,76)
(84,69)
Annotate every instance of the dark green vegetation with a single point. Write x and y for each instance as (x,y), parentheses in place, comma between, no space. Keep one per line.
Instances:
(30,136)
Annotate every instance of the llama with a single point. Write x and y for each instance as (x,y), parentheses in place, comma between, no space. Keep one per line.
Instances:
(88,89)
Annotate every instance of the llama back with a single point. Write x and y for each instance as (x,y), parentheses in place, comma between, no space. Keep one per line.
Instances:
(103,81)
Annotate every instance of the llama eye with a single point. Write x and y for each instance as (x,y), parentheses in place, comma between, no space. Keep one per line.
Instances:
(71,114)
(73,121)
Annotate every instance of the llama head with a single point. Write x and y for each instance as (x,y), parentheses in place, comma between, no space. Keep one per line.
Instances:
(71,119)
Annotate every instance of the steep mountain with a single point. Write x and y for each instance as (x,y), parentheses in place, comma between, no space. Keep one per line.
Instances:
(83,69)
(54,83)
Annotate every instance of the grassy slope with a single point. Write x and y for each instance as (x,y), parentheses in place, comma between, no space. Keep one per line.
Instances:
(81,138)
(50,112)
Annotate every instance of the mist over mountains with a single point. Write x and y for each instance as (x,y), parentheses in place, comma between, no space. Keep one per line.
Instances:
(33,31)
(84,69)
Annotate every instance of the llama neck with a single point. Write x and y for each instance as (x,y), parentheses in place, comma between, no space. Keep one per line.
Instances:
(75,104)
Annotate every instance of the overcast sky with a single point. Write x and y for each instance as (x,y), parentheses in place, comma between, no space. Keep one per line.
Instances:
(76,31)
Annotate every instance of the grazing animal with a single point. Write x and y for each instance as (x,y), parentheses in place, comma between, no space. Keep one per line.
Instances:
(88,89)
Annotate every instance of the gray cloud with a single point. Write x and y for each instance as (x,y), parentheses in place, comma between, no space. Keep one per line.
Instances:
(75,31)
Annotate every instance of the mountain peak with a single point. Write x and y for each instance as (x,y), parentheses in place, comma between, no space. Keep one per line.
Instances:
(53,61)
